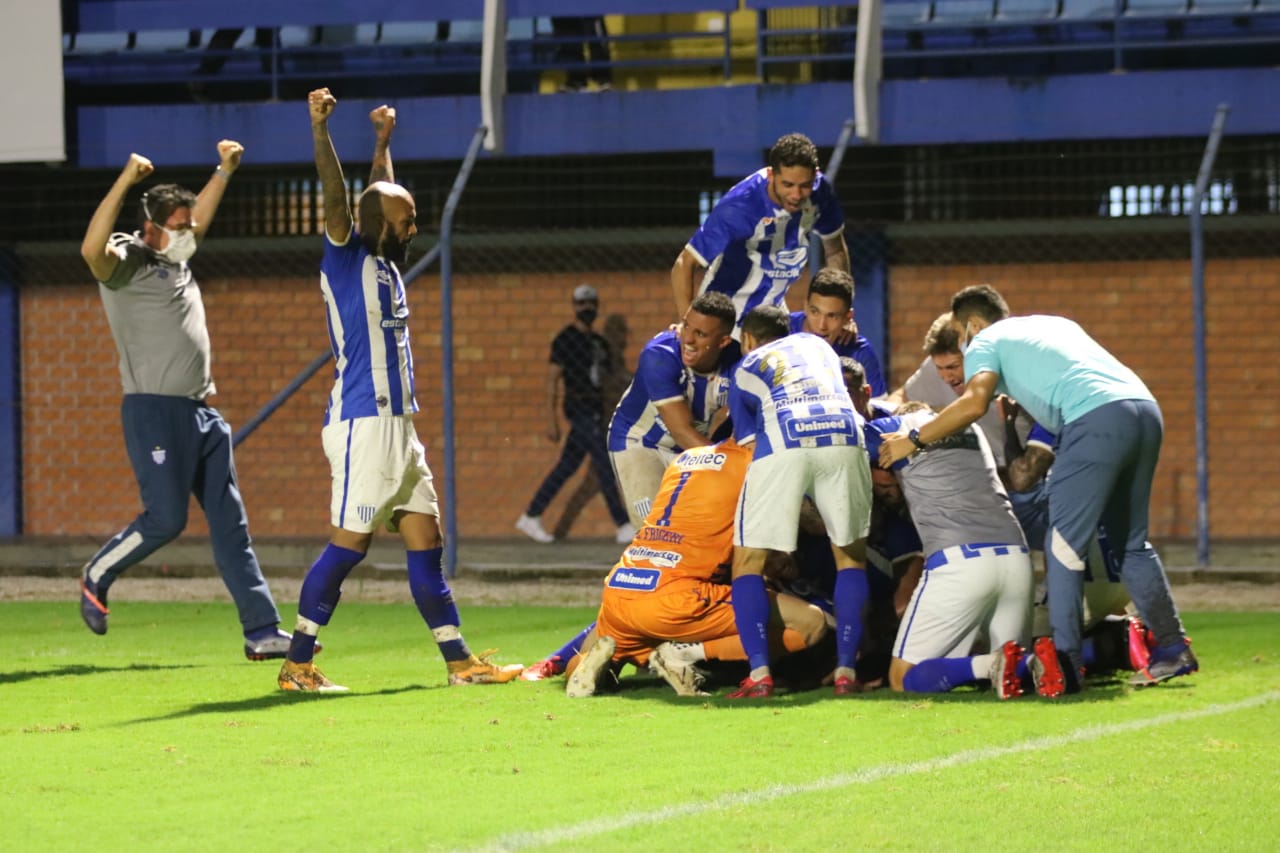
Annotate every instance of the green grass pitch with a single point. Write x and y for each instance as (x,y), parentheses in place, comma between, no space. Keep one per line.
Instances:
(160,736)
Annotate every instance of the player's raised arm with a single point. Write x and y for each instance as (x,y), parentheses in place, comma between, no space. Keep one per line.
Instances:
(229,154)
(683,274)
(94,249)
(384,121)
(337,207)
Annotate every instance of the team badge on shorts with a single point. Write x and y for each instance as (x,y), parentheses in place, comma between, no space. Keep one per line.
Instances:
(366,512)
(158,455)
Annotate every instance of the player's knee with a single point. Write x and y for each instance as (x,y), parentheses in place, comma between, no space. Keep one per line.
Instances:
(164,524)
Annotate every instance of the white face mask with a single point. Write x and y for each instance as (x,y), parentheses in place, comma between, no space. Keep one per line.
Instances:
(181,245)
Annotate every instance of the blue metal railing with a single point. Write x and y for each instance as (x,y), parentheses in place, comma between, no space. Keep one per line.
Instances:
(446,345)
(1115,33)
(1198,316)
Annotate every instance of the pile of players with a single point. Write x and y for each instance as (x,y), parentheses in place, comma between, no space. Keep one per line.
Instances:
(869,540)
(781,513)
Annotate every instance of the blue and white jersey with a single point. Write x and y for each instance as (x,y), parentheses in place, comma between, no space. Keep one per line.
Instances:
(369,333)
(661,377)
(1052,368)
(790,393)
(754,250)
(859,349)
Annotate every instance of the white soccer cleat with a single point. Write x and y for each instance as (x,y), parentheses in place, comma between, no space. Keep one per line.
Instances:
(624,534)
(593,664)
(532,527)
(676,663)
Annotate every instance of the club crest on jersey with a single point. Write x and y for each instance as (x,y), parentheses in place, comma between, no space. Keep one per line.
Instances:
(792,257)
(158,455)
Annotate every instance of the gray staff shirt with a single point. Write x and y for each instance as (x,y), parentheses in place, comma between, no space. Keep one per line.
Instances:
(157,319)
(926,386)
(954,492)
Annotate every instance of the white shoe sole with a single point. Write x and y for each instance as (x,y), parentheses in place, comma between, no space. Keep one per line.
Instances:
(682,676)
(587,675)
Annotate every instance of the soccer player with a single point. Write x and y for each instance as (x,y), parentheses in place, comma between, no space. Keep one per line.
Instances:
(755,242)
(828,313)
(178,444)
(1109,430)
(681,382)
(378,465)
(662,605)
(977,572)
(788,402)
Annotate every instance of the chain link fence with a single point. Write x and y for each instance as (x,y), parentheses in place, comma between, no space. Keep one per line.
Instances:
(1097,230)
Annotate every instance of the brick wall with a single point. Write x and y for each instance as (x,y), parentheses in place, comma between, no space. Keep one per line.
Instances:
(1142,312)
(77,481)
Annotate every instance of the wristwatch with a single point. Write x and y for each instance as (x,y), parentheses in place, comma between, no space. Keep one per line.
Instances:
(914,435)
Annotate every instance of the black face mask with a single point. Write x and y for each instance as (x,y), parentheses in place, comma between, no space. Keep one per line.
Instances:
(587,315)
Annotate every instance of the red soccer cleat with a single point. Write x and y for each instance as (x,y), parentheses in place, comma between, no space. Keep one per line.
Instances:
(545,668)
(846,686)
(749,689)
(1139,647)
(1046,669)
(1004,671)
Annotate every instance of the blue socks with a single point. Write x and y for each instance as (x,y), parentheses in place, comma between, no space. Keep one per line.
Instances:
(938,675)
(571,648)
(435,602)
(319,597)
(751,611)
(851,597)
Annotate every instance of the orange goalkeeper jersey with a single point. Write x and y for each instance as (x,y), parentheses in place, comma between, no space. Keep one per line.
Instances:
(689,531)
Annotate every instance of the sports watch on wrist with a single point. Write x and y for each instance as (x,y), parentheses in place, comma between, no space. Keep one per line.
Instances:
(914,435)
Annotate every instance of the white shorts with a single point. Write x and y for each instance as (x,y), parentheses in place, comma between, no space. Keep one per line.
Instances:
(379,468)
(1102,597)
(837,478)
(638,471)
(966,591)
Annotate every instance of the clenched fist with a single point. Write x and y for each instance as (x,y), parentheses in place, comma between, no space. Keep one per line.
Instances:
(384,121)
(321,102)
(137,168)
(229,152)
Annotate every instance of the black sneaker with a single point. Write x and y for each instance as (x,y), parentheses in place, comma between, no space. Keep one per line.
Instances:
(93,606)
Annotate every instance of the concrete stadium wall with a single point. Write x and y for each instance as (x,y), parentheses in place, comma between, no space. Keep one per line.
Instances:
(77,481)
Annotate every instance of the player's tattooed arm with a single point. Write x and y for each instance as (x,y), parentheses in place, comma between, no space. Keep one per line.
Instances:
(337,207)
(384,121)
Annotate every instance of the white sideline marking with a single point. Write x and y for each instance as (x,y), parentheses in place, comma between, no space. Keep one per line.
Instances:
(600,826)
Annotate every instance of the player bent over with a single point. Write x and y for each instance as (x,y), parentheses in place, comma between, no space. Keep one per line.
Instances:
(660,605)
(977,570)
(379,467)
(788,401)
